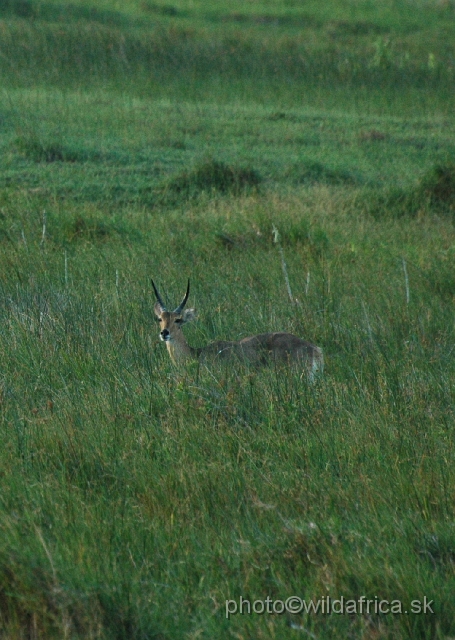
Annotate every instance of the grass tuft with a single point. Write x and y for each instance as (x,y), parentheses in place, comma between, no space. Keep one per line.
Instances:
(19,8)
(317,172)
(91,226)
(159,9)
(211,177)
(438,187)
(33,148)
(88,229)
(433,193)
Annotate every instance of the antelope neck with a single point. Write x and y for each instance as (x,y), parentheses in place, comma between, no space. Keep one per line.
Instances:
(178,349)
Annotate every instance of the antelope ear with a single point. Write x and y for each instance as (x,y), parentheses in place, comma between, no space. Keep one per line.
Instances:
(189,315)
(158,309)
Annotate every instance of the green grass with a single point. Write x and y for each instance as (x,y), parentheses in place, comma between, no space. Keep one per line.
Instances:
(287,56)
(162,140)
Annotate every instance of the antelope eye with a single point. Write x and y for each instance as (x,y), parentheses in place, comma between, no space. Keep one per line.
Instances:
(178,321)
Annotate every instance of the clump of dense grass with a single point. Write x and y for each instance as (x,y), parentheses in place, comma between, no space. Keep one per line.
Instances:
(168,10)
(89,229)
(438,187)
(262,232)
(19,8)
(210,177)
(38,150)
(312,172)
(434,192)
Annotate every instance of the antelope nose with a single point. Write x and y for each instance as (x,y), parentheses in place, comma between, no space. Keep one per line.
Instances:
(164,334)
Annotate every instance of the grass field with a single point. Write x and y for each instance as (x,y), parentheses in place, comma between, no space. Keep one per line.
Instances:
(168,140)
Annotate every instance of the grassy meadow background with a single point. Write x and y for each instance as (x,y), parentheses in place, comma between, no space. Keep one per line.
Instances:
(146,139)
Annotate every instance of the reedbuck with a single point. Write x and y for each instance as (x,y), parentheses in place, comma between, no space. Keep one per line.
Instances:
(256,350)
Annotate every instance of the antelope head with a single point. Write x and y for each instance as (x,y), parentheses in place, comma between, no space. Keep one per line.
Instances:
(171,323)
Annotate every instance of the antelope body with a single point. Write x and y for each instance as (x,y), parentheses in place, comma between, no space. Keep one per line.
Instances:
(256,350)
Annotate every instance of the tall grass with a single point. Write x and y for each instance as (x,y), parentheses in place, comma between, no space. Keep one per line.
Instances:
(169,141)
(319,64)
(139,497)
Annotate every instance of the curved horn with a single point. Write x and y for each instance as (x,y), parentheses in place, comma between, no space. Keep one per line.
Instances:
(185,298)
(158,297)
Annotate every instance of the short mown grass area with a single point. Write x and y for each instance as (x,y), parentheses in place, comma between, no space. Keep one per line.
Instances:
(296,161)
